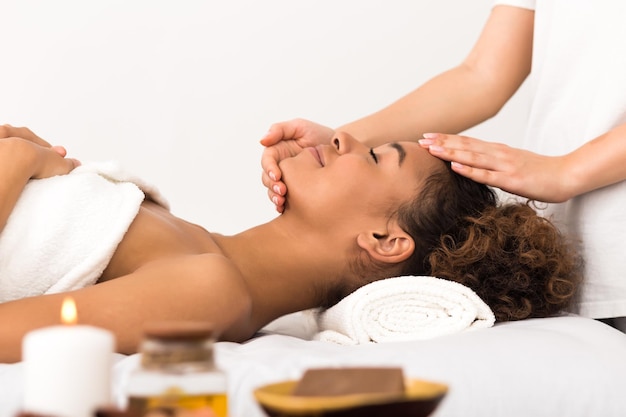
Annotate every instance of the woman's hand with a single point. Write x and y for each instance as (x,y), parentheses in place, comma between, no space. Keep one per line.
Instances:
(8,131)
(52,161)
(285,140)
(47,160)
(527,174)
(22,159)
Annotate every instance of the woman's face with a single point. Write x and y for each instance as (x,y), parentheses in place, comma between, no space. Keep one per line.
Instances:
(347,180)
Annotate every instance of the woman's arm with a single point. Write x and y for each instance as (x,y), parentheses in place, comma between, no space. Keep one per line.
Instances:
(553,179)
(23,156)
(198,287)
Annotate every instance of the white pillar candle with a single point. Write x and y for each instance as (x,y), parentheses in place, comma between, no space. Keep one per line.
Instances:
(67,370)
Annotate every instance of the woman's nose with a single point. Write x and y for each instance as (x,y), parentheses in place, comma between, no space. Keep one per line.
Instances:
(345,143)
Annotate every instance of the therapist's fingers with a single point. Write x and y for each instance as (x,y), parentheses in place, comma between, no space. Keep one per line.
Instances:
(301,131)
(269,162)
(275,191)
(271,176)
(468,151)
(278,132)
(479,160)
(290,129)
(275,187)
(278,200)
(518,171)
(7,131)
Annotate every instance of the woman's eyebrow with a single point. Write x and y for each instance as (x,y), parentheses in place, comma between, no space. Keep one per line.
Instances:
(401,152)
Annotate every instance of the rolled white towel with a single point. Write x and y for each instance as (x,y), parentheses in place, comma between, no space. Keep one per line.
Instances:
(403,308)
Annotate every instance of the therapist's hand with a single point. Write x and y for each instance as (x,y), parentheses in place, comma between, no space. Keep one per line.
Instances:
(521,172)
(285,140)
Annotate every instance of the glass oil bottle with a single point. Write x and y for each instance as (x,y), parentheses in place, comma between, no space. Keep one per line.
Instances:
(177,371)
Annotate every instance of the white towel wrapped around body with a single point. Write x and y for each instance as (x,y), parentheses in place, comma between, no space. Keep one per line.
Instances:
(403,308)
(64,230)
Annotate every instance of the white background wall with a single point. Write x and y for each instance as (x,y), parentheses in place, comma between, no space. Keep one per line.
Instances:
(181,91)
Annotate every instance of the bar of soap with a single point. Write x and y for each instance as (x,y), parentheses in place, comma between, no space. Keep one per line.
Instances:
(344,381)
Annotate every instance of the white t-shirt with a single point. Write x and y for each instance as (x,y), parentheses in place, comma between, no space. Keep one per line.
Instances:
(578,87)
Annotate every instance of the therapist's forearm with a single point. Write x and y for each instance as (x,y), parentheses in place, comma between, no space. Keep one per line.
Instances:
(598,163)
(451,102)
(465,95)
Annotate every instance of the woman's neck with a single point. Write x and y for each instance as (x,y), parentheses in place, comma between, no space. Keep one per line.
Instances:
(286,268)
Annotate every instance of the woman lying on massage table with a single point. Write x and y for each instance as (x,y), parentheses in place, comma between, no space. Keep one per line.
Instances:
(413,216)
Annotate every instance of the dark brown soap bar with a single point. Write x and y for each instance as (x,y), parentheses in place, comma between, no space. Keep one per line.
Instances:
(343,381)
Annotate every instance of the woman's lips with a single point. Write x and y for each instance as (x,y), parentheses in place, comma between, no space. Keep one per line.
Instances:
(319,156)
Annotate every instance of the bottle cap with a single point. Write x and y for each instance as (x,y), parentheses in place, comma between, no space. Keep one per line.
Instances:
(177,346)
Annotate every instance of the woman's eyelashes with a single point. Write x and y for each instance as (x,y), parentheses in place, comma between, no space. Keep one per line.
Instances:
(374,157)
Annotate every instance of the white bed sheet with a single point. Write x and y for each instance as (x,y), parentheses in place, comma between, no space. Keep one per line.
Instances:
(567,366)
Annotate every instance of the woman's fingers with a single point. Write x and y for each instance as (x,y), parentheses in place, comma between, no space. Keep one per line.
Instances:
(52,163)
(7,131)
(60,150)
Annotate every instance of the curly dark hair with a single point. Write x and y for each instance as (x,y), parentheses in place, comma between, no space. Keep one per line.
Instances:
(514,259)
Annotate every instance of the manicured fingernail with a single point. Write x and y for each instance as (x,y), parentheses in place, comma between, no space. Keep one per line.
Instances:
(264,137)
(276,189)
(425,142)
(272,176)
(429,135)
(275,200)
(457,165)
(435,148)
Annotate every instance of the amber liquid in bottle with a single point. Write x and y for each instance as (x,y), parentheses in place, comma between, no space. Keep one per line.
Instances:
(174,400)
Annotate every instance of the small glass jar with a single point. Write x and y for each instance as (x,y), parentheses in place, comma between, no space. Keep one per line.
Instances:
(177,370)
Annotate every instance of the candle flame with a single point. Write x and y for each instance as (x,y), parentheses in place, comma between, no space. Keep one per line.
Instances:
(68,311)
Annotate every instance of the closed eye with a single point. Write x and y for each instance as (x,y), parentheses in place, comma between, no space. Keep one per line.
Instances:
(373,155)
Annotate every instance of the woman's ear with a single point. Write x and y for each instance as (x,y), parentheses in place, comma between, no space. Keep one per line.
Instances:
(394,245)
